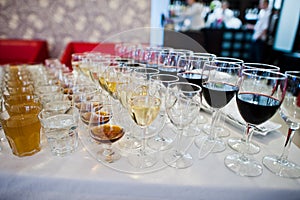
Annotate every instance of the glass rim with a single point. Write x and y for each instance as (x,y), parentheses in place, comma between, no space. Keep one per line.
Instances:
(248,73)
(249,64)
(229,59)
(232,65)
(195,58)
(176,78)
(147,70)
(187,83)
(288,73)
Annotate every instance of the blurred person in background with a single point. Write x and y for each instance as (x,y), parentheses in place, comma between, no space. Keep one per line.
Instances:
(192,16)
(260,30)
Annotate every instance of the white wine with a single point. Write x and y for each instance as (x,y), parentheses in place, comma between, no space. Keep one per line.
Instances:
(144,109)
(102,83)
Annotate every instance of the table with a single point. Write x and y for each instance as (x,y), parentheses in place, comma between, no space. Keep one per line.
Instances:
(80,176)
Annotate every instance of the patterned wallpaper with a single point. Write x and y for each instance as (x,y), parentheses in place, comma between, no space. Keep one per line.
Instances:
(61,21)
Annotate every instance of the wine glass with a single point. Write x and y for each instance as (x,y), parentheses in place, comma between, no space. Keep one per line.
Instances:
(103,129)
(81,93)
(114,76)
(182,107)
(190,69)
(162,142)
(260,95)
(129,142)
(222,131)
(100,64)
(218,88)
(86,107)
(238,144)
(143,110)
(151,56)
(76,59)
(290,113)
(167,60)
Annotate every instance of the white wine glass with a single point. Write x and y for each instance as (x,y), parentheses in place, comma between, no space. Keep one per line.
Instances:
(290,113)
(182,107)
(143,110)
(260,95)
(114,76)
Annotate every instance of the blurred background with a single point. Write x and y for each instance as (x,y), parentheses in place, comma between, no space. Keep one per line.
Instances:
(62,21)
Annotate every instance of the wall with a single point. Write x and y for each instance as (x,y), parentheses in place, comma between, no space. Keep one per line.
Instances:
(60,21)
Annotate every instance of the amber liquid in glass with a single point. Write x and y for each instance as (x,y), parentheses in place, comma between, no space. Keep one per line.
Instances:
(23,133)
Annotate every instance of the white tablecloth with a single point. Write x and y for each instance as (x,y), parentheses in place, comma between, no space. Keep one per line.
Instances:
(80,176)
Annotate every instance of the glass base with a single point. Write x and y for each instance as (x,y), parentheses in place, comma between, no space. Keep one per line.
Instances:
(195,127)
(208,145)
(200,119)
(240,146)
(143,160)
(108,155)
(221,131)
(129,142)
(280,167)
(177,159)
(243,166)
(160,143)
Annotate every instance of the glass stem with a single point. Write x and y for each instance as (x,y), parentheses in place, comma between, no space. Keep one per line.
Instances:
(108,153)
(247,137)
(164,122)
(215,118)
(143,148)
(178,142)
(287,144)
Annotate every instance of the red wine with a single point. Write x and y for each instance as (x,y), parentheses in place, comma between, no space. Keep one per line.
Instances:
(218,94)
(194,78)
(256,108)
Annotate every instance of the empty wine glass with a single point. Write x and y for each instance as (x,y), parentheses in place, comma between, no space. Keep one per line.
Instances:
(162,142)
(167,60)
(290,113)
(151,56)
(106,131)
(218,88)
(260,95)
(76,59)
(182,107)
(190,69)
(143,110)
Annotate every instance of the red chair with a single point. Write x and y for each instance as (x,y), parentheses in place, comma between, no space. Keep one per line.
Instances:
(19,51)
(80,47)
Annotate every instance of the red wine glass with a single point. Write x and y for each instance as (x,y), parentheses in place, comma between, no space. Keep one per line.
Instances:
(218,89)
(259,97)
(236,143)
